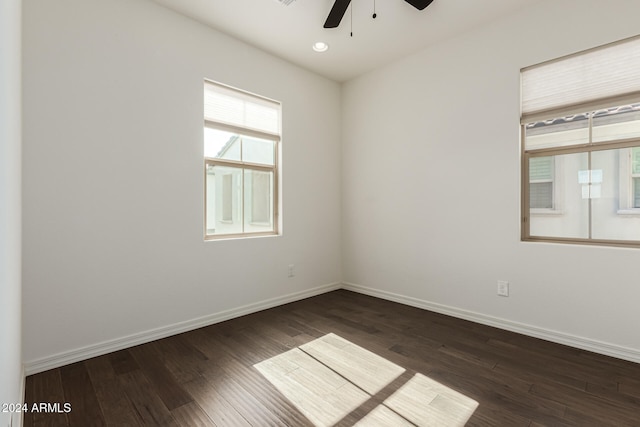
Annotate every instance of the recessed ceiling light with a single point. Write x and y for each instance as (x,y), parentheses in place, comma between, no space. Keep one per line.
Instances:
(320,46)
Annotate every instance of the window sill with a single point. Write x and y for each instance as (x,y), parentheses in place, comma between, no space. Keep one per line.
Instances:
(221,237)
(629,212)
(546,212)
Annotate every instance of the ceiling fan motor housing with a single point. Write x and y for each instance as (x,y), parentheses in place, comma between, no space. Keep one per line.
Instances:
(340,7)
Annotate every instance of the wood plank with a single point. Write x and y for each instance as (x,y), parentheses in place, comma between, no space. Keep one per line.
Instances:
(264,392)
(424,401)
(492,415)
(629,386)
(362,367)
(322,395)
(217,408)
(246,404)
(582,406)
(79,392)
(382,416)
(29,398)
(146,402)
(192,415)
(232,372)
(116,407)
(46,387)
(184,361)
(151,362)
(122,362)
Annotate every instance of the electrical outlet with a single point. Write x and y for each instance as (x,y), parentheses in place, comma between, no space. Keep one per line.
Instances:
(292,270)
(503,288)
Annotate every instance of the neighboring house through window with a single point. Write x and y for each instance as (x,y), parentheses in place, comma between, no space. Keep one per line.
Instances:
(541,183)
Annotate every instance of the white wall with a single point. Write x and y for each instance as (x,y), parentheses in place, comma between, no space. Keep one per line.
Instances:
(113,176)
(11,376)
(431,184)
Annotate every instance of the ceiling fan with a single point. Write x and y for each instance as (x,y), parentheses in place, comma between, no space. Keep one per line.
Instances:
(340,7)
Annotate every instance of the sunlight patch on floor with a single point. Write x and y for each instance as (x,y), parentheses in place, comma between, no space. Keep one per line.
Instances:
(328,378)
(361,367)
(426,402)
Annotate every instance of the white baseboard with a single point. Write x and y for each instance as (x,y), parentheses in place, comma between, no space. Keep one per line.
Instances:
(65,358)
(583,343)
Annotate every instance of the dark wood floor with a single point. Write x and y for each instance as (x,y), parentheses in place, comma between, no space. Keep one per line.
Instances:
(207,377)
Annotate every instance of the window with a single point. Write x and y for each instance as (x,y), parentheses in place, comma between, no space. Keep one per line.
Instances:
(581,147)
(241,143)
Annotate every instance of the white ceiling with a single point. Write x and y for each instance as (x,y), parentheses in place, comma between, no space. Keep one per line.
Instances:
(290,31)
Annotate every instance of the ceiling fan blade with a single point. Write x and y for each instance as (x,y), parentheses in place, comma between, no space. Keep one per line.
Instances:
(336,14)
(419,4)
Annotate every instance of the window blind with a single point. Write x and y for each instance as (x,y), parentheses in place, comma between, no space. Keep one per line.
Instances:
(596,78)
(227,106)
